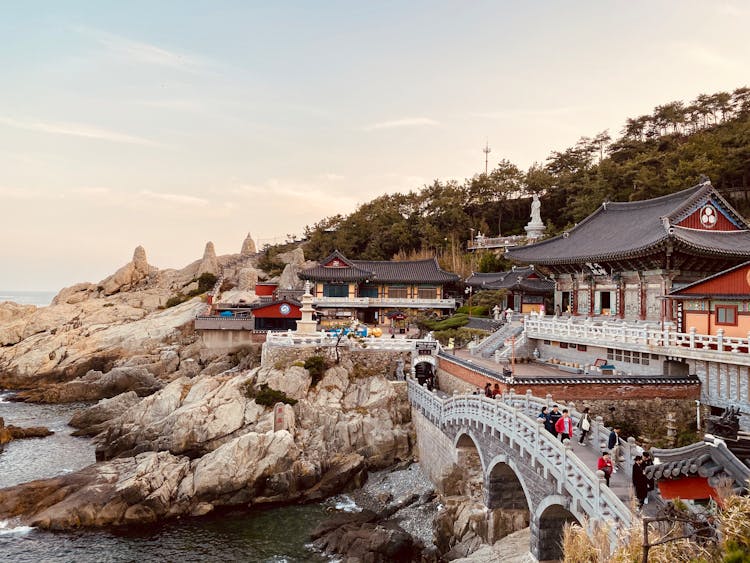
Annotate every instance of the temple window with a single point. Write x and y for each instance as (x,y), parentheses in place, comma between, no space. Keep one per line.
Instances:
(335,290)
(427,292)
(726,315)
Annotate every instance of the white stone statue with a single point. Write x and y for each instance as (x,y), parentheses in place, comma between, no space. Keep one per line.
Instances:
(496,312)
(536,206)
(535,228)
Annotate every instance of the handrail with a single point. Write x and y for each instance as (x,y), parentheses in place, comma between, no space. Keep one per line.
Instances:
(646,337)
(573,476)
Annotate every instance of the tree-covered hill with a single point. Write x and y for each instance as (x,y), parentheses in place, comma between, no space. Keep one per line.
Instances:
(655,154)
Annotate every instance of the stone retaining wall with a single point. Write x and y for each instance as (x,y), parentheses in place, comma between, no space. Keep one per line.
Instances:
(656,412)
(436,452)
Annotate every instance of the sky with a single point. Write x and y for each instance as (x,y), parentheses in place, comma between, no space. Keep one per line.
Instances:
(170,124)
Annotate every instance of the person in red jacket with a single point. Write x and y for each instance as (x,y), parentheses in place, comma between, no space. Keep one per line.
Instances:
(564,426)
(605,466)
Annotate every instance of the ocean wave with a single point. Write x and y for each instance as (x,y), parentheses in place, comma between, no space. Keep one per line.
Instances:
(5,530)
(345,503)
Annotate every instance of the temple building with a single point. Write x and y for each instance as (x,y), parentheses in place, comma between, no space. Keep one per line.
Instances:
(718,303)
(527,290)
(376,292)
(623,258)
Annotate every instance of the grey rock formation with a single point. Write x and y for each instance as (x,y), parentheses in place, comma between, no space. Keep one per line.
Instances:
(91,420)
(209,264)
(96,385)
(247,279)
(129,275)
(248,247)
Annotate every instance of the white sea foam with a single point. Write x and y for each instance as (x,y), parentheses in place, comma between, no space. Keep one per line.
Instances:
(345,503)
(6,530)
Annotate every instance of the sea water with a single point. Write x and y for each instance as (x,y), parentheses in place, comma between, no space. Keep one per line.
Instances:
(264,535)
(38,298)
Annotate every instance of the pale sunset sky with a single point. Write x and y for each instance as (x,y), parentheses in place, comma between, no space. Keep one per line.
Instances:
(169,124)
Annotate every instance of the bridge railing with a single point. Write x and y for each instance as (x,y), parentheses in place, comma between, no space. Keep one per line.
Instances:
(599,433)
(573,477)
(642,336)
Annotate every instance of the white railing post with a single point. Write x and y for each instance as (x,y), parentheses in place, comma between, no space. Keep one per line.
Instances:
(692,337)
(720,340)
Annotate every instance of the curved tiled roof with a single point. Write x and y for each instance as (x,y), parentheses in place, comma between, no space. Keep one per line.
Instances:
(711,459)
(407,271)
(512,279)
(726,243)
(628,229)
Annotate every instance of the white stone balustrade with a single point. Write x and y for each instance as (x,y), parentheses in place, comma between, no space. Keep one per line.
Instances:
(509,418)
(359,302)
(643,338)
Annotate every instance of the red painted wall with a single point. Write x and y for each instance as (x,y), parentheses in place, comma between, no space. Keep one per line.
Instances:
(274,312)
(687,487)
(731,283)
(693,221)
(265,288)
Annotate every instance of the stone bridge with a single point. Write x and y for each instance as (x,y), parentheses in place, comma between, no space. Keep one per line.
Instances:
(518,466)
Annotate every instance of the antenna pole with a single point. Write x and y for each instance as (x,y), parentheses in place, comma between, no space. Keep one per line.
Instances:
(486,150)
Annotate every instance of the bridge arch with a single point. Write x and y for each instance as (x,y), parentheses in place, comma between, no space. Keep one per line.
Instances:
(470,458)
(506,487)
(507,498)
(549,520)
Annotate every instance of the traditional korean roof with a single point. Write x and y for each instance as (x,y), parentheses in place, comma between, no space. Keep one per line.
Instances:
(711,459)
(337,267)
(697,220)
(736,278)
(527,279)
(262,304)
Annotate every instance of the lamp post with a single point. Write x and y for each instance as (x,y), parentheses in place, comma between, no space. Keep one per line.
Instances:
(468,291)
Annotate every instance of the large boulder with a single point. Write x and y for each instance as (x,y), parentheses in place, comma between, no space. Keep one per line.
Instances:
(189,416)
(91,420)
(129,275)
(247,279)
(95,385)
(248,247)
(209,264)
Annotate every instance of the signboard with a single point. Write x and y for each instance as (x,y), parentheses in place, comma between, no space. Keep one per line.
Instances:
(427,346)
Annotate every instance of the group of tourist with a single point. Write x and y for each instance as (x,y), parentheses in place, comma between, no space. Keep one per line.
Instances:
(641,483)
(558,423)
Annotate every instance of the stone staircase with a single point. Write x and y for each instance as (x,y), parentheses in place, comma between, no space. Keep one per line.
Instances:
(496,341)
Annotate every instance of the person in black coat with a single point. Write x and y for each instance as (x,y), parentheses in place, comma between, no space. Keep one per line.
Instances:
(552,419)
(640,481)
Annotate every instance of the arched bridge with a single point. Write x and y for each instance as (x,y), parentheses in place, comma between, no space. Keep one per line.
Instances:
(519,465)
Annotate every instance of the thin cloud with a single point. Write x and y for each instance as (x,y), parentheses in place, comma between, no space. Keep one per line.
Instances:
(78,130)
(405,122)
(332,177)
(529,113)
(145,53)
(175,198)
(176,105)
(700,54)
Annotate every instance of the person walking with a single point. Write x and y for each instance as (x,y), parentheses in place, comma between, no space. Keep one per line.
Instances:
(488,390)
(496,391)
(564,426)
(543,415)
(613,445)
(640,481)
(584,425)
(604,464)
(552,419)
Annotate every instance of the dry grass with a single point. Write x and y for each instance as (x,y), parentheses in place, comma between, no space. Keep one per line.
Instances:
(733,520)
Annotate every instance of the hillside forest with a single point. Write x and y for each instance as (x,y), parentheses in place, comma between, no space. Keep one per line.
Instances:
(653,155)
